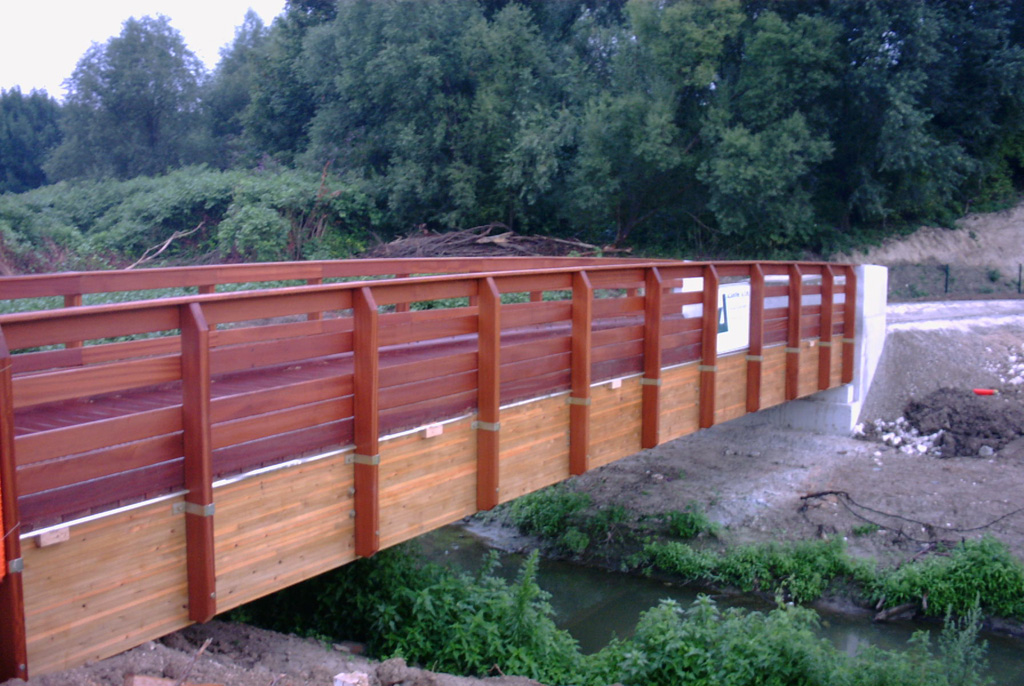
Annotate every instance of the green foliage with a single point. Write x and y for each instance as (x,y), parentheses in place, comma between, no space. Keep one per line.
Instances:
(465,624)
(255,215)
(565,519)
(800,571)
(982,571)
(865,529)
(29,130)
(132,106)
(691,522)
(431,616)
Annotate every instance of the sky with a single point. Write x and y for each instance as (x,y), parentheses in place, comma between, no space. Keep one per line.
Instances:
(41,42)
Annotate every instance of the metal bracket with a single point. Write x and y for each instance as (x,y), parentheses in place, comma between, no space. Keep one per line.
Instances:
(356,458)
(487,426)
(644,381)
(849,340)
(707,368)
(794,351)
(577,401)
(825,344)
(16,566)
(755,358)
(193,509)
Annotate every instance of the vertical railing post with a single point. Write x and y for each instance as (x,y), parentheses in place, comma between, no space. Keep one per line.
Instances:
(488,395)
(651,381)
(709,348)
(796,295)
(402,307)
(314,316)
(366,395)
(755,352)
(825,332)
(199,507)
(13,640)
(579,396)
(73,300)
(849,323)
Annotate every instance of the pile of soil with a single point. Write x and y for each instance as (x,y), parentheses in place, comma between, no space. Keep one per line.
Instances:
(971,424)
(492,240)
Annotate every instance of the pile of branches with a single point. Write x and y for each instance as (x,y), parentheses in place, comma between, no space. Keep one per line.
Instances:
(491,240)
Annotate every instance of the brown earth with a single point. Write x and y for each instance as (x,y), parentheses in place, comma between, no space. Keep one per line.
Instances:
(759,481)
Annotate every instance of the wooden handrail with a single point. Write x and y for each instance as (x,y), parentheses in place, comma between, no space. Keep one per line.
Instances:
(213,384)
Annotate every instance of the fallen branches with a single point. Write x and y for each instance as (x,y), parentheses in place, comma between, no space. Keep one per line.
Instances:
(485,241)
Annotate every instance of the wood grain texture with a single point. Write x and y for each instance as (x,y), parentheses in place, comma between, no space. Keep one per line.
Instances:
(680,396)
(425,482)
(616,415)
(282,527)
(129,586)
(534,446)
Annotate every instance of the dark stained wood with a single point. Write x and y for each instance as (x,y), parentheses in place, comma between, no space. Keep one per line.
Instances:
(793,332)
(755,350)
(526,314)
(51,387)
(709,347)
(654,290)
(73,300)
(582,350)
(13,644)
(198,448)
(825,329)
(366,387)
(488,396)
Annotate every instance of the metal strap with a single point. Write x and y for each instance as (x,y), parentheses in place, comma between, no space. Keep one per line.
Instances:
(755,358)
(577,401)
(487,426)
(197,509)
(707,368)
(849,340)
(795,351)
(365,459)
(16,566)
(825,344)
(644,381)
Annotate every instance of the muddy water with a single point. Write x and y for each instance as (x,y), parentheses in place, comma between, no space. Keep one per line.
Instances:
(596,605)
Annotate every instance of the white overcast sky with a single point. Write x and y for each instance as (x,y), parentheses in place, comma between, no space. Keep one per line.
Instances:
(41,42)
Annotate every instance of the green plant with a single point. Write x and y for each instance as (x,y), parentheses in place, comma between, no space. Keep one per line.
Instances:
(691,522)
(865,529)
(982,572)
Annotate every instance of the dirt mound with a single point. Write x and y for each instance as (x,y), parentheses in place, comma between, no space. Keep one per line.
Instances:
(970,424)
(492,240)
(979,240)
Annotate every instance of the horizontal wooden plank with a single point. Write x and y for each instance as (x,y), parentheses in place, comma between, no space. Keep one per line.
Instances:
(82,438)
(294,418)
(279,398)
(531,314)
(396,373)
(235,358)
(266,332)
(83,382)
(33,330)
(394,332)
(85,466)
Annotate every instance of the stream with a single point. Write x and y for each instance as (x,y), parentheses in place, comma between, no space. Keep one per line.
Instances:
(595,605)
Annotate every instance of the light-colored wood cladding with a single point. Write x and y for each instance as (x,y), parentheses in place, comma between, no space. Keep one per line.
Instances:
(117,582)
(534,446)
(426,483)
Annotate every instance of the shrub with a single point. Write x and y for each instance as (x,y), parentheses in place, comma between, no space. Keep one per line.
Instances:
(982,571)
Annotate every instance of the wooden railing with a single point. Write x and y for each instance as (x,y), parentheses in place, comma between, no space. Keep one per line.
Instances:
(111,404)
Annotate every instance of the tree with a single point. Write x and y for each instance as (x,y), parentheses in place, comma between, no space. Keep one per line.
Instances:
(228,93)
(29,130)
(281,108)
(132,106)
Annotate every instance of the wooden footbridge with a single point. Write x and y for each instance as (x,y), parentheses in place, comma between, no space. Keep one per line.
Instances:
(173,456)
